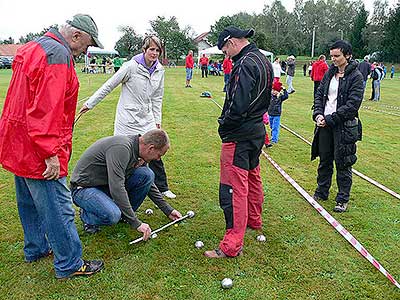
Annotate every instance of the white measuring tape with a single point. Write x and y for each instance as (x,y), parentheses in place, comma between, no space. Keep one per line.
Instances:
(381,111)
(328,217)
(389,106)
(358,173)
(331,220)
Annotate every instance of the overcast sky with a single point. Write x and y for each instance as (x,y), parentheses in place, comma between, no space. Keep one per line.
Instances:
(24,16)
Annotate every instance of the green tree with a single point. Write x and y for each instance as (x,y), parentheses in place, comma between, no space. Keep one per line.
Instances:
(375,32)
(357,39)
(241,20)
(10,40)
(130,42)
(31,36)
(392,35)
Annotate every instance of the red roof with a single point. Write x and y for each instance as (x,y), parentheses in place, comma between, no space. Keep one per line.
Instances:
(201,37)
(9,49)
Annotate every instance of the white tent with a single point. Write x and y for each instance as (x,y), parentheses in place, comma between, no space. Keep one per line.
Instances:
(97,51)
(215,50)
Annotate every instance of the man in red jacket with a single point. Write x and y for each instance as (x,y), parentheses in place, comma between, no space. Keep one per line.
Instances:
(227,66)
(204,65)
(36,143)
(189,68)
(318,71)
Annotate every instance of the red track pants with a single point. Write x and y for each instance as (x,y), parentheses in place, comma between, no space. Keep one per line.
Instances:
(241,193)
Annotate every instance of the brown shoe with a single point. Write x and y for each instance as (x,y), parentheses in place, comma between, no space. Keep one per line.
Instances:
(217,253)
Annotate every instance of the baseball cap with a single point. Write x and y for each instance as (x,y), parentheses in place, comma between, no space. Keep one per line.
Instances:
(233,32)
(86,23)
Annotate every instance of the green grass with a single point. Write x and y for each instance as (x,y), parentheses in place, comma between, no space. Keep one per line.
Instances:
(304,257)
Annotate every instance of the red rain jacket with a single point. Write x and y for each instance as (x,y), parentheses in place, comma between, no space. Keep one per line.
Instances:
(318,70)
(189,62)
(39,109)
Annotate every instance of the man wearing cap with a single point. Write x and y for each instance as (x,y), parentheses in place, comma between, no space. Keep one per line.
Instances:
(291,69)
(242,133)
(36,143)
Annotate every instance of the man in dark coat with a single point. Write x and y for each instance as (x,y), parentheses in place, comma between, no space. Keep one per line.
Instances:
(338,128)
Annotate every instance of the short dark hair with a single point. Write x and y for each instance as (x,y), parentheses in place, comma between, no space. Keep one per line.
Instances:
(157,137)
(344,46)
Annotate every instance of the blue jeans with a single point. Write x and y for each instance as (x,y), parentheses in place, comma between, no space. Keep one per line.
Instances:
(226,80)
(275,124)
(47,218)
(189,73)
(98,208)
(289,82)
(377,90)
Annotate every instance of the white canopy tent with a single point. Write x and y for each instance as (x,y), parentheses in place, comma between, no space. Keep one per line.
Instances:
(97,51)
(215,50)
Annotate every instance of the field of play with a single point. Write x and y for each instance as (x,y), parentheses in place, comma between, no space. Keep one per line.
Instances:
(304,257)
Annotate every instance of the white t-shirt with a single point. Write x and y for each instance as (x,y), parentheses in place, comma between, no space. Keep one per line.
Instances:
(331,104)
(277,69)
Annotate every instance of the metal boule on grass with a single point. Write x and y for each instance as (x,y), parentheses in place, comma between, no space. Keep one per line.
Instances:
(199,244)
(149,211)
(190,214)
(226,283)
(261,238)
(154,235)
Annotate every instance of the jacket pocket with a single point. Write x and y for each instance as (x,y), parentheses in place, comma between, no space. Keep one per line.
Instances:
(351,131)
(225,202)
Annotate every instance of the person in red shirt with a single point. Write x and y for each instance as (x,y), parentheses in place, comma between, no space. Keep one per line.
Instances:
(36,143)
(227,66)
(189,68)
(318,71)
(204,65)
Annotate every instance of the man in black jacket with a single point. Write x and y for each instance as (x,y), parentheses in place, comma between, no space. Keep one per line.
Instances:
(338,128)
(242,133)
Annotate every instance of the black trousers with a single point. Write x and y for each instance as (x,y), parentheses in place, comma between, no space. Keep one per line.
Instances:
(160,178)
(326,145)
(204,71)
(316,85)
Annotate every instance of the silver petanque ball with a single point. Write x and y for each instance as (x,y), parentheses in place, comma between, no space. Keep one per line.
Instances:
(199,244)
(149,211)
(261,238)
(154,235)
(190,213)
(226,283)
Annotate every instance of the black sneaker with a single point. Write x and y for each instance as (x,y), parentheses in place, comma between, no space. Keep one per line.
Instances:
(89,267)
(318,198)
(90,229)
(268,145)
(340,207)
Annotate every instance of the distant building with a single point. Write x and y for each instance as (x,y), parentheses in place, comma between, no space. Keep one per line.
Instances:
(9,50)
(201,42)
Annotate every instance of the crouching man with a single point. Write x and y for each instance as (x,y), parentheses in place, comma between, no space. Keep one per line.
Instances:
(111,180)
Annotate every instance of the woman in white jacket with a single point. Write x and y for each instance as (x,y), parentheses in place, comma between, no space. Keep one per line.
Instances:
(140,103)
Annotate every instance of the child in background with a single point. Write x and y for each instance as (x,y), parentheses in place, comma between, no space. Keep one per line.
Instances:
(279,94)
(266,122)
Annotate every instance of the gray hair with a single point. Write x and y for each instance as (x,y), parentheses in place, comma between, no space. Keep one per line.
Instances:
(67,30)
(157,137)
(148,40)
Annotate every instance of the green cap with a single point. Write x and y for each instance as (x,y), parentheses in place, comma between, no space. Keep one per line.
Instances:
(86,24)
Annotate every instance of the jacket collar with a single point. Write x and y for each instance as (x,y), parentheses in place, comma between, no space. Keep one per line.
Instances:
(246,49)
(349,68)
(56,35)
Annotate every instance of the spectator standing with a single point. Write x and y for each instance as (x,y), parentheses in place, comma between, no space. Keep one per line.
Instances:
(242,133)
(117,62)
(392,69)
(305,69)
(36,143)
(318,71)
(365,68)
(279,94)
(189,63)
(291,69)
(338,128)
(204,66)
(377,75)
(227,66)
(277,69)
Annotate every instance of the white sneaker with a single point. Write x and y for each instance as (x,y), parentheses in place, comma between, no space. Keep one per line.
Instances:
(169,194)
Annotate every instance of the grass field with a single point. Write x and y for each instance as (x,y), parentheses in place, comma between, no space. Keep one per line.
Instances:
(303,258)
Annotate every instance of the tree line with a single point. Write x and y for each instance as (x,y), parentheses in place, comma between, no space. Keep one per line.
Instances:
(280,31)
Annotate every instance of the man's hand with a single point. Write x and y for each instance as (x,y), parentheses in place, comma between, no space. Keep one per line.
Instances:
(52,168)
(174,215)
(146,230)
(83,109)
(320,121)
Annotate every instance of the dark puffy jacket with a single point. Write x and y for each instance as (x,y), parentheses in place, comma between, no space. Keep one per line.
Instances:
(248,97)
(344,122)
(275,107)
